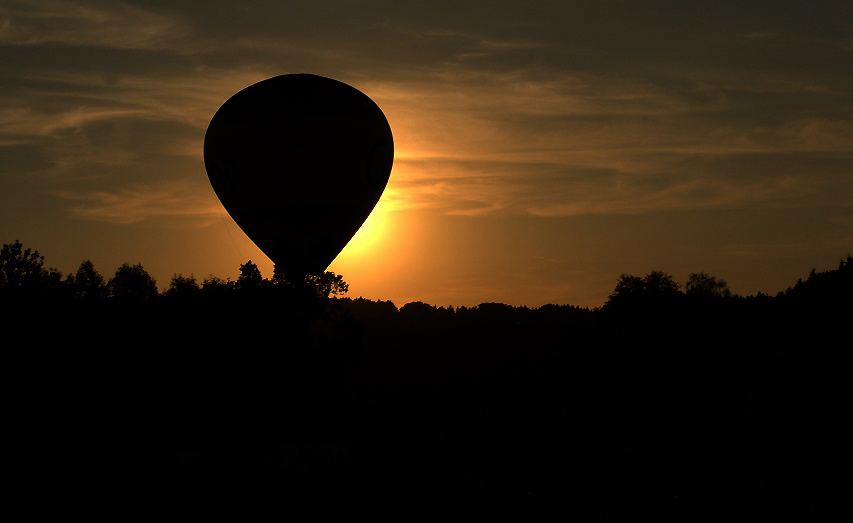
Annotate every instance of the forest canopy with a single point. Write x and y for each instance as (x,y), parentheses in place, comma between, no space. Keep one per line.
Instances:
(23,276)
(287,387)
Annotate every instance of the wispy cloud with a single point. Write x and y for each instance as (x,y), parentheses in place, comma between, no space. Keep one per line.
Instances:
(133,205)
(80,23)
(475,142)
(19,123)
(479,126)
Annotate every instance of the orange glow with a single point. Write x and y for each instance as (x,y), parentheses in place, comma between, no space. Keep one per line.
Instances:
(369,235)
(379,239)
(376,237)
(381,255)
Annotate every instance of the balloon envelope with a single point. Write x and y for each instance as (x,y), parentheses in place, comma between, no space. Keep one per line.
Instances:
(299,161)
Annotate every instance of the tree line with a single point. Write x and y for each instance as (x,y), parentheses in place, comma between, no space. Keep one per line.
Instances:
(23,275)
(680,399)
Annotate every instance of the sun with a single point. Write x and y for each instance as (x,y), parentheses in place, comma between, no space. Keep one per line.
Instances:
(382,240)
(369,235)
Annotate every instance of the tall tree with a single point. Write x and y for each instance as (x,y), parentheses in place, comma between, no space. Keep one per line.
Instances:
(20,268)
(324,285)
(702,284)
(88,283)
(655,289)
(250,276)
(132,285)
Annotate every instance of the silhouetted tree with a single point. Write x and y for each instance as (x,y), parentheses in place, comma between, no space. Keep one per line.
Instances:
(499,313)
(418,311)
(22,275)
(183,287)
(327,284)
(660,283)
(279,276)
(216,285)
(88,284)
(132,285)
(250,276)
(216,292)
(824,289)
(704,285)
(656,289)
(53,284)
(368,310)
(628,285)
(20,268)
(324,285)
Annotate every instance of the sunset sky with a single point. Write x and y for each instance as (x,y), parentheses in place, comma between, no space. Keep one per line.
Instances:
(542,148)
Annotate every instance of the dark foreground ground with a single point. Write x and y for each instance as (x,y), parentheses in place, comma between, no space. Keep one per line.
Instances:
(697,415)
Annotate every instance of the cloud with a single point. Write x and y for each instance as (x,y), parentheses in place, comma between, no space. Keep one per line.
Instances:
(104,24)
(513,118)
(554,143)
(133,205)
(17,124)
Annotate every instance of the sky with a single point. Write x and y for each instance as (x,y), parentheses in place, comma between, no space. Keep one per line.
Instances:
(542,148)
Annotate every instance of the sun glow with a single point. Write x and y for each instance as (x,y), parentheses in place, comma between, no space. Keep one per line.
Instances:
(369,235)
(380,253)
(375,234)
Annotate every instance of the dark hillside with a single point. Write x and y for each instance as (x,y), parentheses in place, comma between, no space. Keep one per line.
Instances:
(659,404)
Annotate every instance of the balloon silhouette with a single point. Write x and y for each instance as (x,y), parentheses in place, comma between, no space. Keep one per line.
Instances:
(299,161)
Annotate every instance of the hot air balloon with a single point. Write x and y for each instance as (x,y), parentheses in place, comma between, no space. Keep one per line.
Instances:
(299,161)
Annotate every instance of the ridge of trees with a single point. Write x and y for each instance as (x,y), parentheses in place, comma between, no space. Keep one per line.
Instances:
(23,276)
(286,387)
